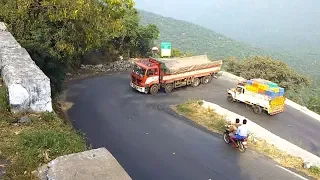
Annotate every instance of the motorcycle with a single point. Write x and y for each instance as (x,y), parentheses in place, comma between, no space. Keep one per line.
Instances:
(242,144)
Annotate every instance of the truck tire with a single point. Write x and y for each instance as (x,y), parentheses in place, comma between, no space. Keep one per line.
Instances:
(168,88)
(205,79)
(257,109)
(195,82)
(248,106)
(230,99)
(210,78)
(154,89)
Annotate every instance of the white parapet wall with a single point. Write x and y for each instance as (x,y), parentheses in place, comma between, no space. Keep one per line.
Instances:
(266,135)
(28,87)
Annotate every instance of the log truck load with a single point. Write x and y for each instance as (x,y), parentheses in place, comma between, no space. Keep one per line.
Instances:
(149,75)
(260,95)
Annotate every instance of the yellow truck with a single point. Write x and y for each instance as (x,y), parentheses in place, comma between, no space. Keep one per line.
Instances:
(260,95)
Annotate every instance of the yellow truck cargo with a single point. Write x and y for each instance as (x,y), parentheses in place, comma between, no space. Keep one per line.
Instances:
(260,95)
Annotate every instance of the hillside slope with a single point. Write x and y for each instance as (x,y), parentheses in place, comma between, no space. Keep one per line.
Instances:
(196,39)
(199,40)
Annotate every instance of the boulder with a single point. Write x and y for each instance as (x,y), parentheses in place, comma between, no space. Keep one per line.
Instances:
(24,120)
(307,165)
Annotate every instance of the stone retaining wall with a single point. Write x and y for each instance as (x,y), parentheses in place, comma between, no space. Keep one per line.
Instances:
(28,87)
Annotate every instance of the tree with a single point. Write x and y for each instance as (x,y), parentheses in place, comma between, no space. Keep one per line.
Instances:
(57,33)
(128,32)
(314,102)
(145,40)
(74,26)
(134,39)
(176,53)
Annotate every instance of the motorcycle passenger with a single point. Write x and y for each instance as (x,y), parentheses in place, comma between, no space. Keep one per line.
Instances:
(241,133)
(233,127)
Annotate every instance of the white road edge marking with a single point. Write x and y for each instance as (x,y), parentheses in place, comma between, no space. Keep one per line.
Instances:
(292,172)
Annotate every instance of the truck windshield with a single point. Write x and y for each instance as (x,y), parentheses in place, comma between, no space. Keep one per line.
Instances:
(139,70)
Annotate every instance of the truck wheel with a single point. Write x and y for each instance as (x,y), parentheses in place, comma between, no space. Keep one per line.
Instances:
(210,78)
(248,106)
(257,109)
(154,89)
(230,99)
(195,82)
(206,79)
(168,88)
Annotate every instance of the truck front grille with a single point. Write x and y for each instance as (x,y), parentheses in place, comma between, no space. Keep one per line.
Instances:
(135,80)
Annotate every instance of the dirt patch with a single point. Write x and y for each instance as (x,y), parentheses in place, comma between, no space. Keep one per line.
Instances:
(204,117)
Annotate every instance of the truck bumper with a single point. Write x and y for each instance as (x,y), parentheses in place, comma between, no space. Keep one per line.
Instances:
(138,88)
(277,111)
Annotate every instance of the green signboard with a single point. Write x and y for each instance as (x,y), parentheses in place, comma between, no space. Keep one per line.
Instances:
(165,49)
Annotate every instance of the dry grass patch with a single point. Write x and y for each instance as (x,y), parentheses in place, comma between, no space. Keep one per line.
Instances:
(279,156)
(208,118)
(205,117)
(282,157)
(26,146)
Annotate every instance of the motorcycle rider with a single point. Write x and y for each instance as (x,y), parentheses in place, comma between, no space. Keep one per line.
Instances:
(241,133)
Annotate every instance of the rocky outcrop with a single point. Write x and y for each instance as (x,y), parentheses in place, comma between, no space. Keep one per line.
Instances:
(120,65)
(93,164)
(28,87)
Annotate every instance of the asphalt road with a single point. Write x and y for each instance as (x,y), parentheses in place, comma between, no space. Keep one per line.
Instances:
(151,142)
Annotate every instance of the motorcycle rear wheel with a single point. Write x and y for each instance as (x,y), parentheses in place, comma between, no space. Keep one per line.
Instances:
(241,147)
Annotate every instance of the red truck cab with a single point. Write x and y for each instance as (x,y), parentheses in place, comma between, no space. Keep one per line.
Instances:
(145,73)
